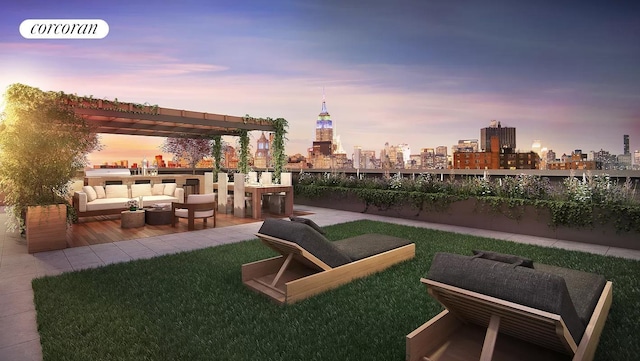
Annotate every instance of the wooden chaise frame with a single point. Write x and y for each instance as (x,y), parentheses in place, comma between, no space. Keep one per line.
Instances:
(297,274)
(532,334)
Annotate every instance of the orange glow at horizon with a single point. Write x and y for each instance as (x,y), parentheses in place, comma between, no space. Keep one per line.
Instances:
(132,148)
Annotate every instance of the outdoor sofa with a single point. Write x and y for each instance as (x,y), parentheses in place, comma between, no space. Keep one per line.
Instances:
(112,199)
(310,264)
(504,307)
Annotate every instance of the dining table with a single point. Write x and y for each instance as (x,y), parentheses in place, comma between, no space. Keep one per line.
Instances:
(257,190)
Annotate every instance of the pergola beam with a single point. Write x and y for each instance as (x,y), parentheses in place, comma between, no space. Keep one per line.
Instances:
(164,122)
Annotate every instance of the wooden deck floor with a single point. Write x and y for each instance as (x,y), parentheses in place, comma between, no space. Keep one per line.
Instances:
(106,229)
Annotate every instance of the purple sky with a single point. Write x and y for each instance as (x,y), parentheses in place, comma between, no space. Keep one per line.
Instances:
(421,72)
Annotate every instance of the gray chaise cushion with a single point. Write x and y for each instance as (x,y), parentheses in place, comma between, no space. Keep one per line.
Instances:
(307,238)
(521,285)
(367,245)
(584,288)
(503,257)
(308,222)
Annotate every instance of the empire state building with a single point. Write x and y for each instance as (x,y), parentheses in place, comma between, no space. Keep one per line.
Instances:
(324,132)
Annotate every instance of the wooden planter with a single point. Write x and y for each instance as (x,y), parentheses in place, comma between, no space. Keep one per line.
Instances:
(472,213)
(46,228)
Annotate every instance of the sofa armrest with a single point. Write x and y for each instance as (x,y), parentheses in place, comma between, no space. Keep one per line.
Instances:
(80,201)
(179,193)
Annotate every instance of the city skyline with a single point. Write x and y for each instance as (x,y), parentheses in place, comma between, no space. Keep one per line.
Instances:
(417,72)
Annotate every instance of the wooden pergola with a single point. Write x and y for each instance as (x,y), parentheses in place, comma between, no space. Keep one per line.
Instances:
(135,119)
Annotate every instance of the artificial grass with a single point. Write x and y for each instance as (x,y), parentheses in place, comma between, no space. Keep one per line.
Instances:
(193,305)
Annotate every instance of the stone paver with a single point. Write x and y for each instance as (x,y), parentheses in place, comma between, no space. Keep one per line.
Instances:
(19,339)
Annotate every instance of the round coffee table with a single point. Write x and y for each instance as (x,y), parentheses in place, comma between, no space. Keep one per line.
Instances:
(158,216)
(132,219)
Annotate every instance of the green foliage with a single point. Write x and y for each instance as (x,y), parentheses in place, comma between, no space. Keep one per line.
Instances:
(42,146)
(243,162)
(193,305)
(594,200)
(216,153)
(88,102)
(278,156)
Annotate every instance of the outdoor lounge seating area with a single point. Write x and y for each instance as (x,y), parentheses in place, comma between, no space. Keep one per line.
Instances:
(508,308)
(112,199)
(310,264)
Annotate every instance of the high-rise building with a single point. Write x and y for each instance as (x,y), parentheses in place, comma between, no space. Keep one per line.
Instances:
(324,125)
(428,158)
(625,140)
(405,153)
(551,156)
(357,157)
(577,160)
(327,151)
(441,150)
(434,158)
(636,160)
(320,154)
(506,136)
(495,158)
(415,161)
(465,145)
(369,159)
(605,160)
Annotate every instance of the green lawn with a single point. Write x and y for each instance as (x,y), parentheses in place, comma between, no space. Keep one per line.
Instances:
(193,306)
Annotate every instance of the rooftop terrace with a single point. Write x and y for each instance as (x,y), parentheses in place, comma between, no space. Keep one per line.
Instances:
(19,338)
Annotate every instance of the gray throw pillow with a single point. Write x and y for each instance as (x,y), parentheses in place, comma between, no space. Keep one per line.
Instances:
(309,223)
(504,258)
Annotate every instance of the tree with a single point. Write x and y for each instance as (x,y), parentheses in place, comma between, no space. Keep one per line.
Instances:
(43,144)
(191,149)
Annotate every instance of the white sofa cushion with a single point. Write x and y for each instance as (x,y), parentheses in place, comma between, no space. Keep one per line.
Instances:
(117,191)
(100,191)
(157,189)
(90,192)
(169,189)
(149,201)
(138,190)
(184,213)
(107,203)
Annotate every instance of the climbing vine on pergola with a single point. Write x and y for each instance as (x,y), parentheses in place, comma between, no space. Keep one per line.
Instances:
(278,155)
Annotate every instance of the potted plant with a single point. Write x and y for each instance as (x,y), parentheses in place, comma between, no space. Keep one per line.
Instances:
(43,144)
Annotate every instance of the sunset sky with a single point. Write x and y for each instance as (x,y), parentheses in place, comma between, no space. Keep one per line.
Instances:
(422,72)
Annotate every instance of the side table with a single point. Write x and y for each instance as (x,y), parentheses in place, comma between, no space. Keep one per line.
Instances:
(155,216)
(132,219)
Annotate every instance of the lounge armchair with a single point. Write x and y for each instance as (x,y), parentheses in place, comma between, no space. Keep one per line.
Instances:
(200,206)
(310,264)
(497,308)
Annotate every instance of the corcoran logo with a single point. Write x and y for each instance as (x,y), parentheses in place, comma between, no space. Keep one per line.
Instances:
(64,29)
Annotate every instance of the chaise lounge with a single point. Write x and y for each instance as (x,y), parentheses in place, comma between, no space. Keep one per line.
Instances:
(504,307)
(310,264)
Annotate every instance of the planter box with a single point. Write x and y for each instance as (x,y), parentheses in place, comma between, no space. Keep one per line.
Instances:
(475,214)
(46,228)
